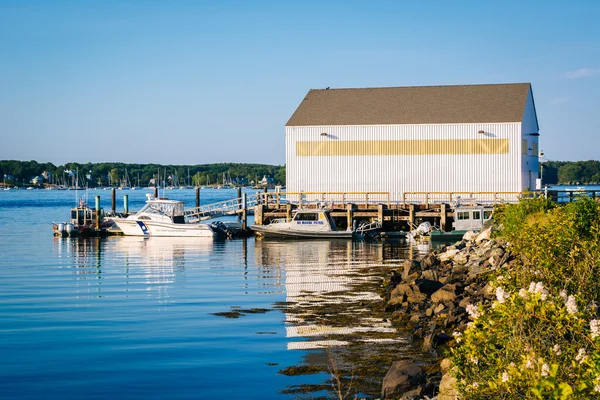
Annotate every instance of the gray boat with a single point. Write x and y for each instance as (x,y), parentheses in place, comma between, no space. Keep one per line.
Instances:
(306,224)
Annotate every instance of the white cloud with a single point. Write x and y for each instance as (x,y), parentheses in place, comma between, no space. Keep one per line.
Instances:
(583,73)
(560,100)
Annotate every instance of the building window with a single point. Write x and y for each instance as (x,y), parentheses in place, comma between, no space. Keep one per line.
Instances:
(462,215)
(487,214)
(535,149)
(476,215)
(524,148)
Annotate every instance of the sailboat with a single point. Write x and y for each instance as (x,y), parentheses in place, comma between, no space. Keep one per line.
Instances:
(125,185)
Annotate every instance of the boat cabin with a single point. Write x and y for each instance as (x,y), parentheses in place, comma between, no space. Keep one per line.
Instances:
(313,220)
(162,210)
(471,218)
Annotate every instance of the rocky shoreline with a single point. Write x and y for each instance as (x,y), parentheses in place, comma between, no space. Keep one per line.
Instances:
(431,298)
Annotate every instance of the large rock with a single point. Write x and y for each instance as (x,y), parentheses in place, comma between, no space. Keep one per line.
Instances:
(461,258)
(402,376)
(448,254)
(410,267)
(448,387)
(408,291)
(429,261)
(428,286)
(484,235)
(445,293)
(470,236)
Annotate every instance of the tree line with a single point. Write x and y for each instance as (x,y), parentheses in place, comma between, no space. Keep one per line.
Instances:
(21,173)
(570,172)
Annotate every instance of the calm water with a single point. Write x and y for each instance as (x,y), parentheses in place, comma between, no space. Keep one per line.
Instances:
(127,317)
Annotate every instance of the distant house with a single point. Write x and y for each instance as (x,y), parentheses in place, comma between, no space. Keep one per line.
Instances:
(265,181)
(467,138)
(37,180)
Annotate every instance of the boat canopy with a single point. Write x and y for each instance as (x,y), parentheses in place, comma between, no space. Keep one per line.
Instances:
(170,208)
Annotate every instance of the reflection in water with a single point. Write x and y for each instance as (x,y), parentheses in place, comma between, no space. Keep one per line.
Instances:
(157,261)
(325,276)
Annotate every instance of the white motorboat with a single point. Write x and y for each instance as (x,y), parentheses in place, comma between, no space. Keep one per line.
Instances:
(307,223)
(162,217)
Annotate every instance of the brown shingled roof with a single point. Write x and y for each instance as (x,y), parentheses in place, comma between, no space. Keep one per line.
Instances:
(413,105)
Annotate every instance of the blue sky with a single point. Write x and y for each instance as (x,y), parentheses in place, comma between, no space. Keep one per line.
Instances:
(192,82)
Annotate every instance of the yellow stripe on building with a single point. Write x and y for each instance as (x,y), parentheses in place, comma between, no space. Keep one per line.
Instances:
(401,147)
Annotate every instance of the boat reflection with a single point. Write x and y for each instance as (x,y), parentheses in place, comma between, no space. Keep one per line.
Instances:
(150,263)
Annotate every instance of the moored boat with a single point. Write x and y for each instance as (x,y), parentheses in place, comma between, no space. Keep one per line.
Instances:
(466,218)
(306,223)
(162,217)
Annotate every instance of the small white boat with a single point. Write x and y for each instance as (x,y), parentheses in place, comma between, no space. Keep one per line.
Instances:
(162,217)
(307,223)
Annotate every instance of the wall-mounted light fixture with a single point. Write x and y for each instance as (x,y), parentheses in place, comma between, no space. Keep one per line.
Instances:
(481,132)
(323,133)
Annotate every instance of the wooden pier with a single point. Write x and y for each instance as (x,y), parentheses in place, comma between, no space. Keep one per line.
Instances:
(348,209)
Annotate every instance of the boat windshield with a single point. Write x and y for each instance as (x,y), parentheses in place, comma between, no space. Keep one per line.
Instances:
(172,209)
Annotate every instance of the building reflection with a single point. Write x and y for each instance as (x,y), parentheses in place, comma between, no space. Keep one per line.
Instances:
(327,274)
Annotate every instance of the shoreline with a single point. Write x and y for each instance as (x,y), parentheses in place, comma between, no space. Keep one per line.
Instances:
(430,299)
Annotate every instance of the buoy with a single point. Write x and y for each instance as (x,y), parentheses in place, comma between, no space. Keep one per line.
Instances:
(61,227)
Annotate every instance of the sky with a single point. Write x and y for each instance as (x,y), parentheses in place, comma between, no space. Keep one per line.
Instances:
(195,82)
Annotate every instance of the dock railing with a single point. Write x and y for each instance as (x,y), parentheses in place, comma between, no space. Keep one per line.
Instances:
(328,199)
(463,197)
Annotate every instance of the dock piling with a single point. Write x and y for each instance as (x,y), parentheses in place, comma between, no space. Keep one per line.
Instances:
(197,198)
(244,212)
(349,214)
(443,216)
(98,213)
(156,192)
(114,200)
(241,206)
(126,204)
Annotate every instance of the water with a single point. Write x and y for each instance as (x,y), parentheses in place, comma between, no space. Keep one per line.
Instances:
(127,317)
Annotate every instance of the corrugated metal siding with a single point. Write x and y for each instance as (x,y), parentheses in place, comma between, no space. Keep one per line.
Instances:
(407,173)
(529,125)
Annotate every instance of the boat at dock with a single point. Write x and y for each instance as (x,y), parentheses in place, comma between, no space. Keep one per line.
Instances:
(83,222)
(162,217)
(466,218)
(306,224)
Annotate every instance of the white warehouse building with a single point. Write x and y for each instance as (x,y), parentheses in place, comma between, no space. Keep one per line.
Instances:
(467,138)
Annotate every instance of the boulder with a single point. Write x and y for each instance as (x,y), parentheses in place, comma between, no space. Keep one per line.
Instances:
(484,235)
(439,308)
(428,286)
(445,365)
(412,394)
(461,258)
(430,275)
(445,293)
(448,387)
(429,261)
(470,236)
(448,254)
(410,267)
(402,376)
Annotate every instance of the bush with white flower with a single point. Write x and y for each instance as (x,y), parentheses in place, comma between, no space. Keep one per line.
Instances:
(531,346)
(540,337)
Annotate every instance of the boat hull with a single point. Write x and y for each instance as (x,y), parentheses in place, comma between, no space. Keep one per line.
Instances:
(269,232)
(135,227)
(446,237)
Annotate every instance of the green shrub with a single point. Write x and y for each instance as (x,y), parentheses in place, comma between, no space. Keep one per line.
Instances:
(530,344)
(536,341)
